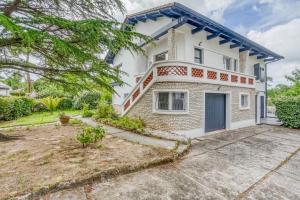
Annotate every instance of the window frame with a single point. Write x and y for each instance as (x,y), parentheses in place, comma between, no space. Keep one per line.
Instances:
(241,107)
(225,64)
(163,52)
(235,61)
(202,55)
(170,111)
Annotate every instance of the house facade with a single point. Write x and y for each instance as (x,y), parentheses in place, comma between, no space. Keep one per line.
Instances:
(196,77)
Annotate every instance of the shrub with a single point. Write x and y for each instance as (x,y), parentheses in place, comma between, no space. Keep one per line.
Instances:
(288,111)
(65,103)
(86,112)
(17,93)
(14,107)
(86,97)
(136,125)
(105,110)
(39,107)
(51,103)
(90,134)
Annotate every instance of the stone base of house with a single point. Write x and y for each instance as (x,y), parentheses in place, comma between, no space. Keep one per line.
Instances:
(191,123)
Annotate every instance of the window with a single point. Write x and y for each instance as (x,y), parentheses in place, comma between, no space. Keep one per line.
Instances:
(244,101)
(171,101)
(198,56)
(161,56)
(227,62)
(259,72)
(235,65)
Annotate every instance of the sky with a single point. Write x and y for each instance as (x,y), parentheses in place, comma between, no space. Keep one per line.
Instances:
(274,24)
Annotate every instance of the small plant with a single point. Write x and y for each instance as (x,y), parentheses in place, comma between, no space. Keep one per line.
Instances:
(90,134)
(63,118)
(51,103)
(105,110)
(86,111)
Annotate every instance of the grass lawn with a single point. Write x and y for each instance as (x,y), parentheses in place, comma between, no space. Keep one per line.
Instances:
(37,118)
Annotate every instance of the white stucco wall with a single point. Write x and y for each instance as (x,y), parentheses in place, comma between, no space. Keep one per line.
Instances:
(185,42)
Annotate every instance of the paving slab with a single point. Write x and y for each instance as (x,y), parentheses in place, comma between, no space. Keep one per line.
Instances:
(217,167)
(276,187)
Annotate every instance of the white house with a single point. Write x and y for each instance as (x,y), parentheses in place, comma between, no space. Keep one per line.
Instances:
(198,77)
(4,89)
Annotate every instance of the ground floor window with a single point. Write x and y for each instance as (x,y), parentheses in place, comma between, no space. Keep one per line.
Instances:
(244,101)
(171,101)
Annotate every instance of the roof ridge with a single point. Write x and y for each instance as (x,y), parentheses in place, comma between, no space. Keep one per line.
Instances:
(151,9)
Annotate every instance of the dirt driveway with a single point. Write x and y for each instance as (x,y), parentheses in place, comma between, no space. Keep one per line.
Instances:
(261,162)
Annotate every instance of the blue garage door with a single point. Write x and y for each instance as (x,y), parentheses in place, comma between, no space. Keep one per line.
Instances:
(215,111)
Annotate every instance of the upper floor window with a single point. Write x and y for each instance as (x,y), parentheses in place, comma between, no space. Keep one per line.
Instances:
(227,62)
(235,65)
(160,57)
(198,56)
(259,72)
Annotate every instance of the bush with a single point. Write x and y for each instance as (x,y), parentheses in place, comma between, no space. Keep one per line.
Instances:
(39,107)
(65,103)
(105,110)
(86,112)
(51,103)
(288,111)
(136,125)
(90,134)
(75,121)
(86,97)
(17,93)
(14,107)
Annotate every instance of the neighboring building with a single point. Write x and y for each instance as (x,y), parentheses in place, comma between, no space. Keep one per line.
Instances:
(198,77)
(4,89)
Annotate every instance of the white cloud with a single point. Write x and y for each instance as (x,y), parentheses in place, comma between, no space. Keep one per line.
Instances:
(283,39)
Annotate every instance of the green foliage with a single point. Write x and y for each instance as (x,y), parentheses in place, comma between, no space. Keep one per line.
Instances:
(14,80)
(45,88)
(135,125)
(67,38)
(14,107)
(17,93)
(86,111)
(51,103)
(105,110)
(86,97)
(65,103)
(90,134)
(288,111)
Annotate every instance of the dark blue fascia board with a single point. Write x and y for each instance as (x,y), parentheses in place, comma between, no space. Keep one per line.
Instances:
(152,17)
(269,59)
(262,56)
(177,10)
(142,18)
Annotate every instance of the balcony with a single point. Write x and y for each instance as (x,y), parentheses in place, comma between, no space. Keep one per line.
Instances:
(178,71)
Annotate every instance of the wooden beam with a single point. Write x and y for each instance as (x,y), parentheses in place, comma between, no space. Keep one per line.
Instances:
(224,41)
(235,45)
(198,29)
(253,53)
(244,49)
(214,35)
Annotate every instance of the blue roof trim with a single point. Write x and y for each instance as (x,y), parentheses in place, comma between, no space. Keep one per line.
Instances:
(179,11)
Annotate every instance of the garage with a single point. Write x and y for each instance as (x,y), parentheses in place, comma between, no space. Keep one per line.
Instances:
(215,111)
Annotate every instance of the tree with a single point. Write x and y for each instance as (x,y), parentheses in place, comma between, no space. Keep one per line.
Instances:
(65,39)
(14,80)
(294,77)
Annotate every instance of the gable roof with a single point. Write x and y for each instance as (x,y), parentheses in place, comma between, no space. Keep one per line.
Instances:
(183,15)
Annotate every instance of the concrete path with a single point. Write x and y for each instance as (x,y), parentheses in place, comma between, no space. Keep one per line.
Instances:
(141,139)
(260,162)
(273,121)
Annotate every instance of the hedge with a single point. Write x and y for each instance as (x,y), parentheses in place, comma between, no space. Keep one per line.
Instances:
(14,107)
(288,111)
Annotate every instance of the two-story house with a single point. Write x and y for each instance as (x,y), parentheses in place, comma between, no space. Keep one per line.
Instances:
(197,77)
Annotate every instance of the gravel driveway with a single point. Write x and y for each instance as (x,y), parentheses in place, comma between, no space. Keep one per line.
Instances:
(261,162)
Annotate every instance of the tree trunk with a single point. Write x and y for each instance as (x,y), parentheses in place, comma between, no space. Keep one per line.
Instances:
(11,8)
